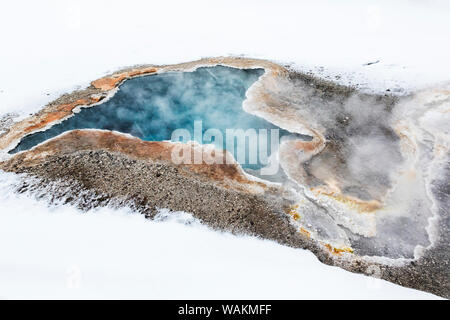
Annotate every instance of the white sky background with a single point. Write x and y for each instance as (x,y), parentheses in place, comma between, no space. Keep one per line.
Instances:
(51,47)
(55,45)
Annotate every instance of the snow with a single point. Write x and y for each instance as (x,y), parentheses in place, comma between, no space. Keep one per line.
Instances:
(55,46)
(58,252)
(52,46)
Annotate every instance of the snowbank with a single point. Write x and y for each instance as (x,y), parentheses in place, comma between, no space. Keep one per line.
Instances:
(61,253)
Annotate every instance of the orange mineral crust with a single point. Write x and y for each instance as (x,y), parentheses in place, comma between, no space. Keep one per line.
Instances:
(228,175)
(64,110)
(109,83)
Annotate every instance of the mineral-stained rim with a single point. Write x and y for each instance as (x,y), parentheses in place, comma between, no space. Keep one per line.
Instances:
(102,89)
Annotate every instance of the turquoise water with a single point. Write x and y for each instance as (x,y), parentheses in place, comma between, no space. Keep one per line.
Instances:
(152,107)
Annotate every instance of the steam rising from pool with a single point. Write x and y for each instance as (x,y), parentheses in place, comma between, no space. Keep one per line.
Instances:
(152,107)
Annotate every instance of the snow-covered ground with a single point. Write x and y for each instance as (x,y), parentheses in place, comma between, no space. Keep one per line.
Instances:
(54,46)
(60,253)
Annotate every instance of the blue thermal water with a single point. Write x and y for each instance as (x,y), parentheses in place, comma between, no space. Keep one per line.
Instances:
(152,107)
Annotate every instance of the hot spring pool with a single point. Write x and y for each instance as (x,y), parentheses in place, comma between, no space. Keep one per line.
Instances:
(152,107)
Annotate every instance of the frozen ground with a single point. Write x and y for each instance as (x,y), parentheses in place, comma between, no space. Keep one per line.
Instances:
(51,47)
(60,253)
